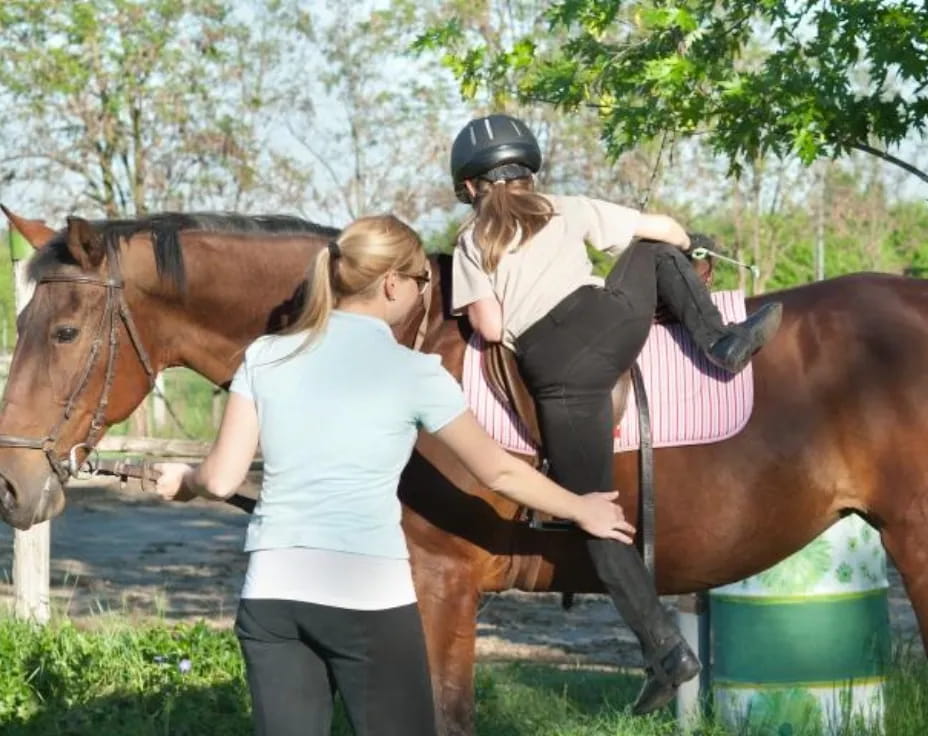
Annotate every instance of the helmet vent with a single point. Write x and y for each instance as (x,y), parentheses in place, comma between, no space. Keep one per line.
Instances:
(473,136)
(486,124)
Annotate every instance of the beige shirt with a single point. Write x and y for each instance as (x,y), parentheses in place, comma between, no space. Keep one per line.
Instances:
(530,280)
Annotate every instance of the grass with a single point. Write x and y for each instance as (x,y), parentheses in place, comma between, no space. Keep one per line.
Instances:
(191,399)
(134,681)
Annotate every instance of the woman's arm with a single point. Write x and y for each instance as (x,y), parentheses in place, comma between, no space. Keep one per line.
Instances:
(486,317)
(663,228)
(596,513)
(225,467)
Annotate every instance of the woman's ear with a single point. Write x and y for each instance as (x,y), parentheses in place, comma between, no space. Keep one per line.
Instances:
(389,286)
(471,188)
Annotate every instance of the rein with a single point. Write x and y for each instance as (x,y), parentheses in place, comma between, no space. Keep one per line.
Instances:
(115,310)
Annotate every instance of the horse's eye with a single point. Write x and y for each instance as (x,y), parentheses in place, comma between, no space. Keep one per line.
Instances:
(66,334)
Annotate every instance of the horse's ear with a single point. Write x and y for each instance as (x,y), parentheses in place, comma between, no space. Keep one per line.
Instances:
(36,232)
(85,243)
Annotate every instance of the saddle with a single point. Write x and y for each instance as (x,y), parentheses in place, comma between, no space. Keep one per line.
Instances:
(501,371)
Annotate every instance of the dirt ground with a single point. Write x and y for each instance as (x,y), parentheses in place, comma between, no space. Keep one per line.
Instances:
(121,552)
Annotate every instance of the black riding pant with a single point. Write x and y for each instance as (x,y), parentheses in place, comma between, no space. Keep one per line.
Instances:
(298,655)
(572,357)
(571,360)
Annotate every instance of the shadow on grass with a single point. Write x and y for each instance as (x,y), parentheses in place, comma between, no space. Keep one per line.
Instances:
(525,700)
(194,711)
(218,710)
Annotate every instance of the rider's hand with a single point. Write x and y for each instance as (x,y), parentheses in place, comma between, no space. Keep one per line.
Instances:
(599,515)
(170,484)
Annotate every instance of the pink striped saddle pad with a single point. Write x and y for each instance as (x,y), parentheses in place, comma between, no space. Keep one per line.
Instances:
(692,402)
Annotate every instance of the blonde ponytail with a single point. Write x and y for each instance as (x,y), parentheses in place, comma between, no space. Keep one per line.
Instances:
(320,299)
(503,210)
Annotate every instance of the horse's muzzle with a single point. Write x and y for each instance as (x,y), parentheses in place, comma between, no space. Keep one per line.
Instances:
(22,516)
(9,508)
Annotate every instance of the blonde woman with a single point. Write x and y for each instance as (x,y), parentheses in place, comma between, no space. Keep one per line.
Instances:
(523,277)
(328,602)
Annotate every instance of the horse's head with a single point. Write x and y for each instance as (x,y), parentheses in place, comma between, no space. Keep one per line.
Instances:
(85,360)
(75,338)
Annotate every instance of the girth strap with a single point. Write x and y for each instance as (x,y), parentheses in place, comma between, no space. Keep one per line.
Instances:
(646,505)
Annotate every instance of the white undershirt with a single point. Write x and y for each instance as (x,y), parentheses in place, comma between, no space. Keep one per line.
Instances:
(329,578)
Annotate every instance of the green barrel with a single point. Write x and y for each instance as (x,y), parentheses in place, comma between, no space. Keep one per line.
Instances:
(802,648)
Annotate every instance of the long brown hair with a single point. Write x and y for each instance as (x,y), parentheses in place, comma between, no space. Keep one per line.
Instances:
(361,255)
(504,209)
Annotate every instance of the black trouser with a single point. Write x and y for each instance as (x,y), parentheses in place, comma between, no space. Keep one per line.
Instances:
(298,655)
(571,360)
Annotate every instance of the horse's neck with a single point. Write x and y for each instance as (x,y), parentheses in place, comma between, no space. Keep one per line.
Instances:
(444,334)
(237,289)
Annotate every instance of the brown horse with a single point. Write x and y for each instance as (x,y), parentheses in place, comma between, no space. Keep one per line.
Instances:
(841,410)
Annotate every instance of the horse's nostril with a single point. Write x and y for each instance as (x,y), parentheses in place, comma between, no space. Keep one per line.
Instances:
(7,497)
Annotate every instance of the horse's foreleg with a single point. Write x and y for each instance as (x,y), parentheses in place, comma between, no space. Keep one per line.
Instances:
(448,602)
(905,540)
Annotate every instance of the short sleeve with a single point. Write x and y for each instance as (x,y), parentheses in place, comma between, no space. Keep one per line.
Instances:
(609,227)
(241,381)
(438,398)
(469,282)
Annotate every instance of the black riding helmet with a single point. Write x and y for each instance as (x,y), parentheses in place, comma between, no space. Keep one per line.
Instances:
(486,143)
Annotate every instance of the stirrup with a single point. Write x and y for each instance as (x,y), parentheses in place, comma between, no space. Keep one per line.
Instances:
(530,517)
(654,663)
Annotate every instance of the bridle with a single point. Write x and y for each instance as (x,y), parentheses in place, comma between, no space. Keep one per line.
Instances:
(114,310)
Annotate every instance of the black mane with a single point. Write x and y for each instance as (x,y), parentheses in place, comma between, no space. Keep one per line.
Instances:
(165,228)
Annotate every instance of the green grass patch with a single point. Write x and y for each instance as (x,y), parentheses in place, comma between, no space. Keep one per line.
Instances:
(179,680)
(155,680)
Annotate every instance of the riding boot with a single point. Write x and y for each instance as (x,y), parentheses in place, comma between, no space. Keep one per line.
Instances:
(669,661)
(727,346)
(733,351)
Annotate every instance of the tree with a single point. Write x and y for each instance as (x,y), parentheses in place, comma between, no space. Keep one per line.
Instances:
(489,32)
(379,123)
(372,119)
(135,105)
(814,79)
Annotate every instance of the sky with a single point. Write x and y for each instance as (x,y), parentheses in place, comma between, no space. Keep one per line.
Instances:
(55,198)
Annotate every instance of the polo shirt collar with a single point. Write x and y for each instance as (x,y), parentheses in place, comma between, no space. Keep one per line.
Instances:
(363,319)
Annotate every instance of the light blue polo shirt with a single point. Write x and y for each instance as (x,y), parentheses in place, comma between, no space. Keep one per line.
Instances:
(338,422)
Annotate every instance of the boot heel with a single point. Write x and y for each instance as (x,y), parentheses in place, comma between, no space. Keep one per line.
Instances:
(733,351)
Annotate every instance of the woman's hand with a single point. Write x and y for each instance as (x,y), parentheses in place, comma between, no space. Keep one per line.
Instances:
(170,484)
(664,229)
(599,515)
(595,513)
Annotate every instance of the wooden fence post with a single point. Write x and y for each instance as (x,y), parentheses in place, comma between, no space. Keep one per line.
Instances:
(218,407)
(31,549)
(159,411)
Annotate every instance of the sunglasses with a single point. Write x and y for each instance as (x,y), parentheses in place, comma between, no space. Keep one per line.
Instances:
(422,279)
